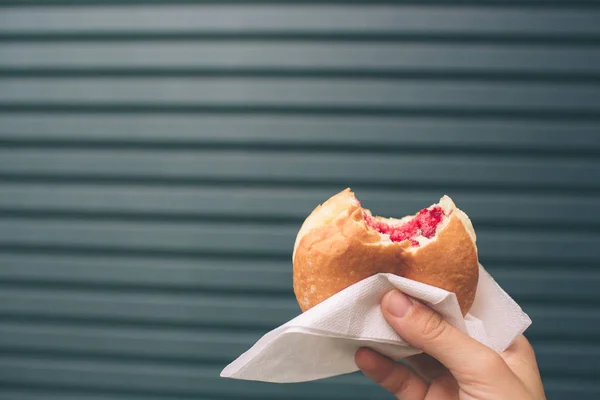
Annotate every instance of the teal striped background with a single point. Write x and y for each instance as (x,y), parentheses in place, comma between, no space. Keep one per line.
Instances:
(157,159)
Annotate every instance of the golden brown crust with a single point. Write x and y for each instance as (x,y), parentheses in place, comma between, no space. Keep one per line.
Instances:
(337,249)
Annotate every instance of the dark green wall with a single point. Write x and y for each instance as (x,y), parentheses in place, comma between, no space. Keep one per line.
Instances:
(156,161)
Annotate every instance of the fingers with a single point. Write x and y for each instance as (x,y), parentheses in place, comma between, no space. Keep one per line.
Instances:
(444,387)
(520,358)
(393,377)
(442,384)
(520,349)
(466,358)
(426,366)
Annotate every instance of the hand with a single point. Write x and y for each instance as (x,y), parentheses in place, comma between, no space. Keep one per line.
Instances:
(453,365)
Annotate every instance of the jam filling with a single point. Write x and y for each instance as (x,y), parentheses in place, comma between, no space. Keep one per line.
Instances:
(423,224)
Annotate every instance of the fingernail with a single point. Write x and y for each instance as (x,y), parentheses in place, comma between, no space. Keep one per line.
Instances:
(397,303)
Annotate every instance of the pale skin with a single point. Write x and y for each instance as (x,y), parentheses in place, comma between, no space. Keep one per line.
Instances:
(453,365)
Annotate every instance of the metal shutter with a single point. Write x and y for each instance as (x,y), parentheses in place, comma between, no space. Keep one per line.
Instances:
(157,159)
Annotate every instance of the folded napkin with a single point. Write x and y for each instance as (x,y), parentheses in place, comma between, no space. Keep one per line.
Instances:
(321,342)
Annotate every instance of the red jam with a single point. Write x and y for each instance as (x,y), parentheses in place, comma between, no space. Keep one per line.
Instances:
(423,224)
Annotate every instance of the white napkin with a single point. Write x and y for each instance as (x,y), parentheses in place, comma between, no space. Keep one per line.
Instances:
(321,342)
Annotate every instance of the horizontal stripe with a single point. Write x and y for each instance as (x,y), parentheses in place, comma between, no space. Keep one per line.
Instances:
(555,389)
(311,57)
(408,134)
(267,277)
(568,4)
(365,74)
(288,205)
(228,311)
(247,18)
(9,392)
(285,110)
(263,239)
(344,169)
(545,40)
(175,380)
(197,347)
(302,93)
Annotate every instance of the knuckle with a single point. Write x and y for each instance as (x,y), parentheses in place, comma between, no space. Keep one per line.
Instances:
(433,326)
(490,360)
(395,380)
(480,370)
(400,387)
(529,350)
(385,377)
(447,383)
(481,367)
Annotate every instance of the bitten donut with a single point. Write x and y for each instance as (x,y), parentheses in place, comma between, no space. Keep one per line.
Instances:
(341,243)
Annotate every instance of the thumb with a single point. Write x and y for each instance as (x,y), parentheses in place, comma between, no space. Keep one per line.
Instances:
(467,359)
